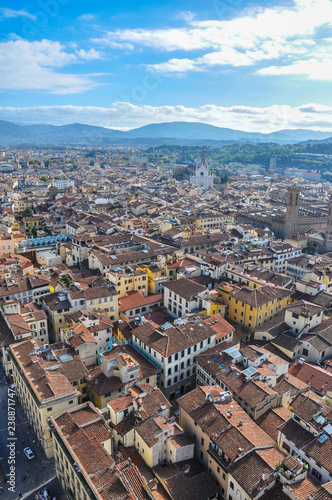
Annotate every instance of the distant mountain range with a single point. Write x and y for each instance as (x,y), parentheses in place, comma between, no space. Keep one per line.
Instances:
(189,133)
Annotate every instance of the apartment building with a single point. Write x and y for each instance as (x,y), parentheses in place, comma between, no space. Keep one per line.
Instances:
(121,368)
(308,435)
(173,349)
(253,307)
(42,387)
(87,332)
(6,241)
(58,305)
(184,297)
(18,323)
(142,401)
(250,376)
(283,252)
(25,289)
(160,441)
(224,436)
(128,281)
(83,448)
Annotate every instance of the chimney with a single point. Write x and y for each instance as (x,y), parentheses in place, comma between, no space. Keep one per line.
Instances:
(265,474)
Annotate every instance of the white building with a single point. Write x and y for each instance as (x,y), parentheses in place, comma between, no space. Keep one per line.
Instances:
(63,183)
(48,258)
(202,177)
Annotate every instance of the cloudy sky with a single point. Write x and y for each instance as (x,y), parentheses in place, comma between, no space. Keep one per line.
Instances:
(250,65)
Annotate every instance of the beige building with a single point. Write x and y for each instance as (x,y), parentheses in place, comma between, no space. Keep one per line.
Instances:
(6,241)
(121,368)
(58,305)
(162,442)
(21,322)
(83,447)
(142,401)
(222,431)
(42,388)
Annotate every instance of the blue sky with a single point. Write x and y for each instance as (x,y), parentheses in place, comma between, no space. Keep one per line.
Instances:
(257,66)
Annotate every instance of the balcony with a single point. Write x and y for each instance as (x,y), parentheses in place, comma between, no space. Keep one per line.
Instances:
(218,457)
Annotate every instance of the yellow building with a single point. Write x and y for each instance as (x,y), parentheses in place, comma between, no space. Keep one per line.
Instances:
(21,205)
(253,307)
(42,392)
(30,223)
(156,278)
(126,282)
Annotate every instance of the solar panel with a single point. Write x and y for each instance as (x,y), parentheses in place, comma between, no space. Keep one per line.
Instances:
(323,438)
(328,429)
(250,371)
(234,353)
(320,419)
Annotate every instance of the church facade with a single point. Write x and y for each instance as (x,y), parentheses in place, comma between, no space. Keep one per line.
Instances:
(202,177)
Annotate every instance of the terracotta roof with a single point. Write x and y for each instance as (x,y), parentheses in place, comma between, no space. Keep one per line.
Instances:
(135,299)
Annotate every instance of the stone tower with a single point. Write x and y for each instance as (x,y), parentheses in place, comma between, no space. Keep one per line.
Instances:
(328,232)
(292,211)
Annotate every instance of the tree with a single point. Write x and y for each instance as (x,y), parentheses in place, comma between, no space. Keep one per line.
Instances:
(44,178)
(28,212)
(311,248)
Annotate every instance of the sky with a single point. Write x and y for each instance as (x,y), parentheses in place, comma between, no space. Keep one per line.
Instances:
(249,65)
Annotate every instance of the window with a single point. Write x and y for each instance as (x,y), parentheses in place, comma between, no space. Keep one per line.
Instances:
(201,455)
(286,447)
(231,485)
(202,441)
(305,352)
(49,409)
(316,474)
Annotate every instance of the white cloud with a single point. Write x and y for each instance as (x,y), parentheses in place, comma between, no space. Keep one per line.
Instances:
(34,66)
(86,17)
(314,69)
(186,15)
(125,115)
(261,35)
(11,13)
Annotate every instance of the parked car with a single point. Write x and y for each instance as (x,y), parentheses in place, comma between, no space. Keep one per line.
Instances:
(28,453)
